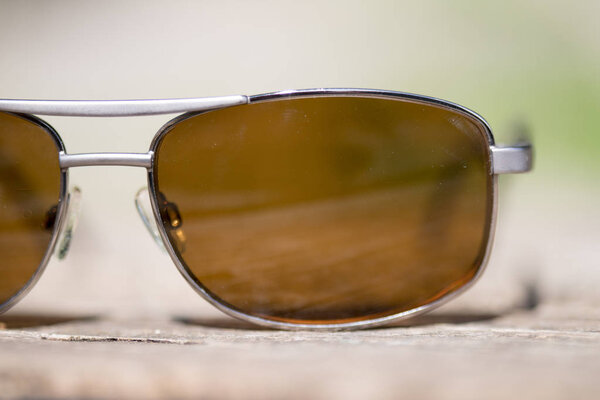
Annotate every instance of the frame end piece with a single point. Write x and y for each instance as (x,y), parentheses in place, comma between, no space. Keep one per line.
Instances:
(512,159)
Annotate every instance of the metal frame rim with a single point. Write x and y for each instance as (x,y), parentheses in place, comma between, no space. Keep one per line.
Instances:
(61,213)
(385,94)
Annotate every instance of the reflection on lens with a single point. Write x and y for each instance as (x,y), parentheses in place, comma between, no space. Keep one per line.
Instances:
(327,209)
(29,193)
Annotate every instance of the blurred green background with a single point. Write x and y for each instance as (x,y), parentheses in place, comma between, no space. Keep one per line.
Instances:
(532,61)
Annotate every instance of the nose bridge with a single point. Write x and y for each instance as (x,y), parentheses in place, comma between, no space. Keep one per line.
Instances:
(110,159)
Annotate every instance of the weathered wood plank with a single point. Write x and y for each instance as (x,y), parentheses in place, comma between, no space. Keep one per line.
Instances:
(553,352)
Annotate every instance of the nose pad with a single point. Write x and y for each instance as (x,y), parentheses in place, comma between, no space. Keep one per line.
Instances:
(144,209)
(72,217)
(169,215)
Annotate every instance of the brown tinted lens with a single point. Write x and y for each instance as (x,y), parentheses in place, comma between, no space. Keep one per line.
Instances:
(329,209)
(29,191)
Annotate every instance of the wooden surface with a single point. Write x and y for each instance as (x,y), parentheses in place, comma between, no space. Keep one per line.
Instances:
(529,329)
(551,352)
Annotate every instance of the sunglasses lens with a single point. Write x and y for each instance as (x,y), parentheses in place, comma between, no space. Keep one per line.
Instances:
(327,209)
(30,183)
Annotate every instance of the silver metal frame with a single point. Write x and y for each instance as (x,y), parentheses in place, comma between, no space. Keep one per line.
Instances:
(511,159)
(107,159)
(63,205)
(118,108)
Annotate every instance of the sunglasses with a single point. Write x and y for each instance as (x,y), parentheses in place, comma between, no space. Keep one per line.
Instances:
(323,208)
